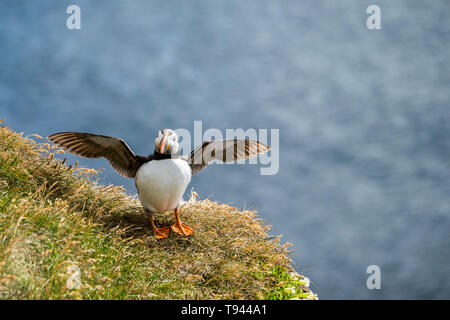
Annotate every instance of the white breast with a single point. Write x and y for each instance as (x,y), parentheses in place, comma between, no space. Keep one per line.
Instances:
(162,183)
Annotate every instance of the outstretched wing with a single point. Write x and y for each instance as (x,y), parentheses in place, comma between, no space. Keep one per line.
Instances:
(224,150)
(88,145)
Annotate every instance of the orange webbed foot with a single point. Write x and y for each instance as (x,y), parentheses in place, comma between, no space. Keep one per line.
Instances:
(182,229)
(179,227)
(161,233)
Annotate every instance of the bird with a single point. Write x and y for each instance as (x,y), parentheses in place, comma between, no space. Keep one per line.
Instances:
(161,178)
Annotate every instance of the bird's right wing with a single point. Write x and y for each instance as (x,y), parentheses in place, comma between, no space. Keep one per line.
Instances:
(224,150)
(88,145)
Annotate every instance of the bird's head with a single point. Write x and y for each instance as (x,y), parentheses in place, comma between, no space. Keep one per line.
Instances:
(166,142)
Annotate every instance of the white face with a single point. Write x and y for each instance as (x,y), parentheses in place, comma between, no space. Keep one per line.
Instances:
(166,142)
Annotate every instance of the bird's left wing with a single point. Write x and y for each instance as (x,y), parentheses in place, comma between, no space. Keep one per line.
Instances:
(89,145)
(224,150)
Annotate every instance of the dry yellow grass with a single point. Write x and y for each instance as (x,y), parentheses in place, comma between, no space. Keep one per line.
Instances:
(63,236)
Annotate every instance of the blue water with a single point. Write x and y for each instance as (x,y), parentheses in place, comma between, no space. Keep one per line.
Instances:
(363,115)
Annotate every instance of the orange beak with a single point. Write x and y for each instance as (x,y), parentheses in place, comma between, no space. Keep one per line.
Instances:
(162,145)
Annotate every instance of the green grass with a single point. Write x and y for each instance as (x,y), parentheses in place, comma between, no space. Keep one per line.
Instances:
(64,236)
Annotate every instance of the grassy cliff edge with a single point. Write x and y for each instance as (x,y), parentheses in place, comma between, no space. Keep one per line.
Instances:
(64,236)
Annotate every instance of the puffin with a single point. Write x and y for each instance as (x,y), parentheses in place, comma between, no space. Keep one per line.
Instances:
(161,178)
